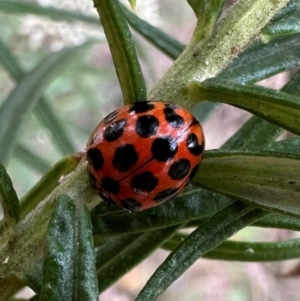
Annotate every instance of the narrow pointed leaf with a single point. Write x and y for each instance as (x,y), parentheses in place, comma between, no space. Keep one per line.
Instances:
(47,183)
(254,133)
(253,252)
(111,247)
(29,158)
(43,109)
(48,118)
(203,110)
(87,286)
(21,7)
(125,259)
(277,107)
(264,60)
(18,105)
(247,251)
(167,44)
(207,13)
(288,146)
(8,199)
(193,203)
(267,179)
(223,225)
(69,271)
(279,221)
(286,22)
(257,132)
(122,49)
(9,62)
(59,271)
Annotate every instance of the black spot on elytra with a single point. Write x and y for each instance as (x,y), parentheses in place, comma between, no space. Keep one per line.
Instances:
(144,182)
(131,204)
(110,117)
(193,173)
(142,106)
(146,126)
(164,149)
(165,194)
(114,130)
(179,169)
(110,185)
(125,157)
(193,145)
(95,158)
(172,117)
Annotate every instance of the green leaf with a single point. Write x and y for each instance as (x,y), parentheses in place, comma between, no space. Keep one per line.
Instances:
(69,271)
(264,60)
(286,22)
(123,51)
(158,38)
(277,107)
(48,118)
(254,133)
(122,254)
(8,199)
(206,237)
(87,286)
(207,9)
(47,183)
(279,221)
(207,13)
(203,110)
(263,178)
(257,132)
(43,109)
(132,4)
(192,204)
(288,146)
(29,158)
(21,7)
(18,105)
(247,251)
(59,270)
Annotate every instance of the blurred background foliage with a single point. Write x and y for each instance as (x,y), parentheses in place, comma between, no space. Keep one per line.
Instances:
(85,91)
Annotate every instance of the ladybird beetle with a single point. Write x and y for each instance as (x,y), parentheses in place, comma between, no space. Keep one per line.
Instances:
(143,154)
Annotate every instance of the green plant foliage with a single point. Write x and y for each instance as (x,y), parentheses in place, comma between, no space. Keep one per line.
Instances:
(61,239)
(126,253)
(20,102)
(209,235)
(69,268)
(198,203)
(8,199)
(122,50)
(286,22)
(247,251)
(277,107)
(43,109)
(268,179)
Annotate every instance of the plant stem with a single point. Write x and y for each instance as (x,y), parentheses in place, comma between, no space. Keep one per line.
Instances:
(206,58)
(19,253)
